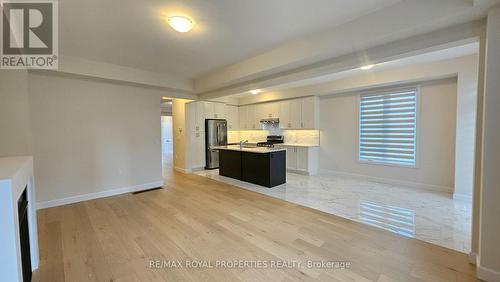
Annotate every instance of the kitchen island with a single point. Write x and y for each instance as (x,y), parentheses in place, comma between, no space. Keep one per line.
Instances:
(258,165)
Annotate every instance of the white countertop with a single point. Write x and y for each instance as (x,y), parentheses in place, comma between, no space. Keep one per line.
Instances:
(261,150)
(296,145)
(10,166)
(16,176)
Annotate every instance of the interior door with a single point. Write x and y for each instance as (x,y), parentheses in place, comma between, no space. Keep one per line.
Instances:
(166,134)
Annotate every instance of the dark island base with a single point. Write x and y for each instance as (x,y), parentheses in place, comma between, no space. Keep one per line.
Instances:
(266,169)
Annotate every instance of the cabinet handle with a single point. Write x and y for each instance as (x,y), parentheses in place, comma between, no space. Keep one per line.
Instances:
(215,115)
(302,124)
(197,128)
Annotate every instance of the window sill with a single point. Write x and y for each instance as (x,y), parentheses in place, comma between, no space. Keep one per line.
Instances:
(387,164)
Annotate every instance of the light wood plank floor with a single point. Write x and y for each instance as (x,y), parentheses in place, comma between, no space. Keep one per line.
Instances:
(196,218)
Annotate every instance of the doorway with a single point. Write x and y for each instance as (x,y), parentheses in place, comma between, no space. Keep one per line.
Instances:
(166,134)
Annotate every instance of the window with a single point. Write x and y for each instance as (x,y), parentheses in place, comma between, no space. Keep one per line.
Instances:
(387,127)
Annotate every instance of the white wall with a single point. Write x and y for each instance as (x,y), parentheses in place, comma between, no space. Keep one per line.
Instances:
(489,243)
(14,113)
(92,136)
(435,145)
(179,131)
(467,94)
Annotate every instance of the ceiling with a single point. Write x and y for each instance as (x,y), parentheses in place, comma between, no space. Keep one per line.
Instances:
(429,57)
(135,34)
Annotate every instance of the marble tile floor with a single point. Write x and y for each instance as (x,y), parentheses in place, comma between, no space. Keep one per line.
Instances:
(430,216)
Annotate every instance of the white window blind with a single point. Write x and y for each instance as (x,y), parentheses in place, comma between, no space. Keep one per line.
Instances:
(387,127)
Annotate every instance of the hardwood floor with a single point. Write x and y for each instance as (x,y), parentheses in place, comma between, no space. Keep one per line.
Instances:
(198,219)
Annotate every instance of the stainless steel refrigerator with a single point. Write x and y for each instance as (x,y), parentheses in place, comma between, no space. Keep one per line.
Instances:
(215,135)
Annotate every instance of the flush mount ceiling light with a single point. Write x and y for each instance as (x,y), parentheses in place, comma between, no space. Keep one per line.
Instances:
(367,67)
(255,91)
(180,23)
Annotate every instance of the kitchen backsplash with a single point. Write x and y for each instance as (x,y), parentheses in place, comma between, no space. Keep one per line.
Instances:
(309,137)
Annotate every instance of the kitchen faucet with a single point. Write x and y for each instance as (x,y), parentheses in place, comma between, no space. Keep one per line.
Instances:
(242,142)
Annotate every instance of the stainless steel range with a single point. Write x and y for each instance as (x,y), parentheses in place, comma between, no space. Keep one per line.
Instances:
(271,141)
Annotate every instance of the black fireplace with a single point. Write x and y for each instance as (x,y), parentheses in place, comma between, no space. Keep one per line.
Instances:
(24,235)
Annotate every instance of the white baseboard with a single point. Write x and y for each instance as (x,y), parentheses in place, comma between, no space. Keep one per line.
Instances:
(102,194)
(183,170)
(302,172)
(462,197)
(487,274)
(473,258)
(195,169)
(430,187)
(189,170)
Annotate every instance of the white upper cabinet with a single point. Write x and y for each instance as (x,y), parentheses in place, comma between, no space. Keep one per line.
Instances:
(220,110)
(214,110)
(260,110)
(208,109)
(252,121)
(284,114)
(299,113)
(267,110)
(195,117)
(310,113)
(296,113)
(290,114)
(233,117)
(242,113)
(302,113)
(274,110)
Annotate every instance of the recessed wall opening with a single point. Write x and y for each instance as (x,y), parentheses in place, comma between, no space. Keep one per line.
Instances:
(395,143)
(167,142)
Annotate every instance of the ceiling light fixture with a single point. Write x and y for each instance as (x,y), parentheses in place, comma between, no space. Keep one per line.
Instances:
(367,67)
(180,23)
(255,91)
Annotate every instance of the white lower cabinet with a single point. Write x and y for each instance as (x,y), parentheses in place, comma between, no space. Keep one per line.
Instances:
(291,158)
(196,150)
(302,160)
